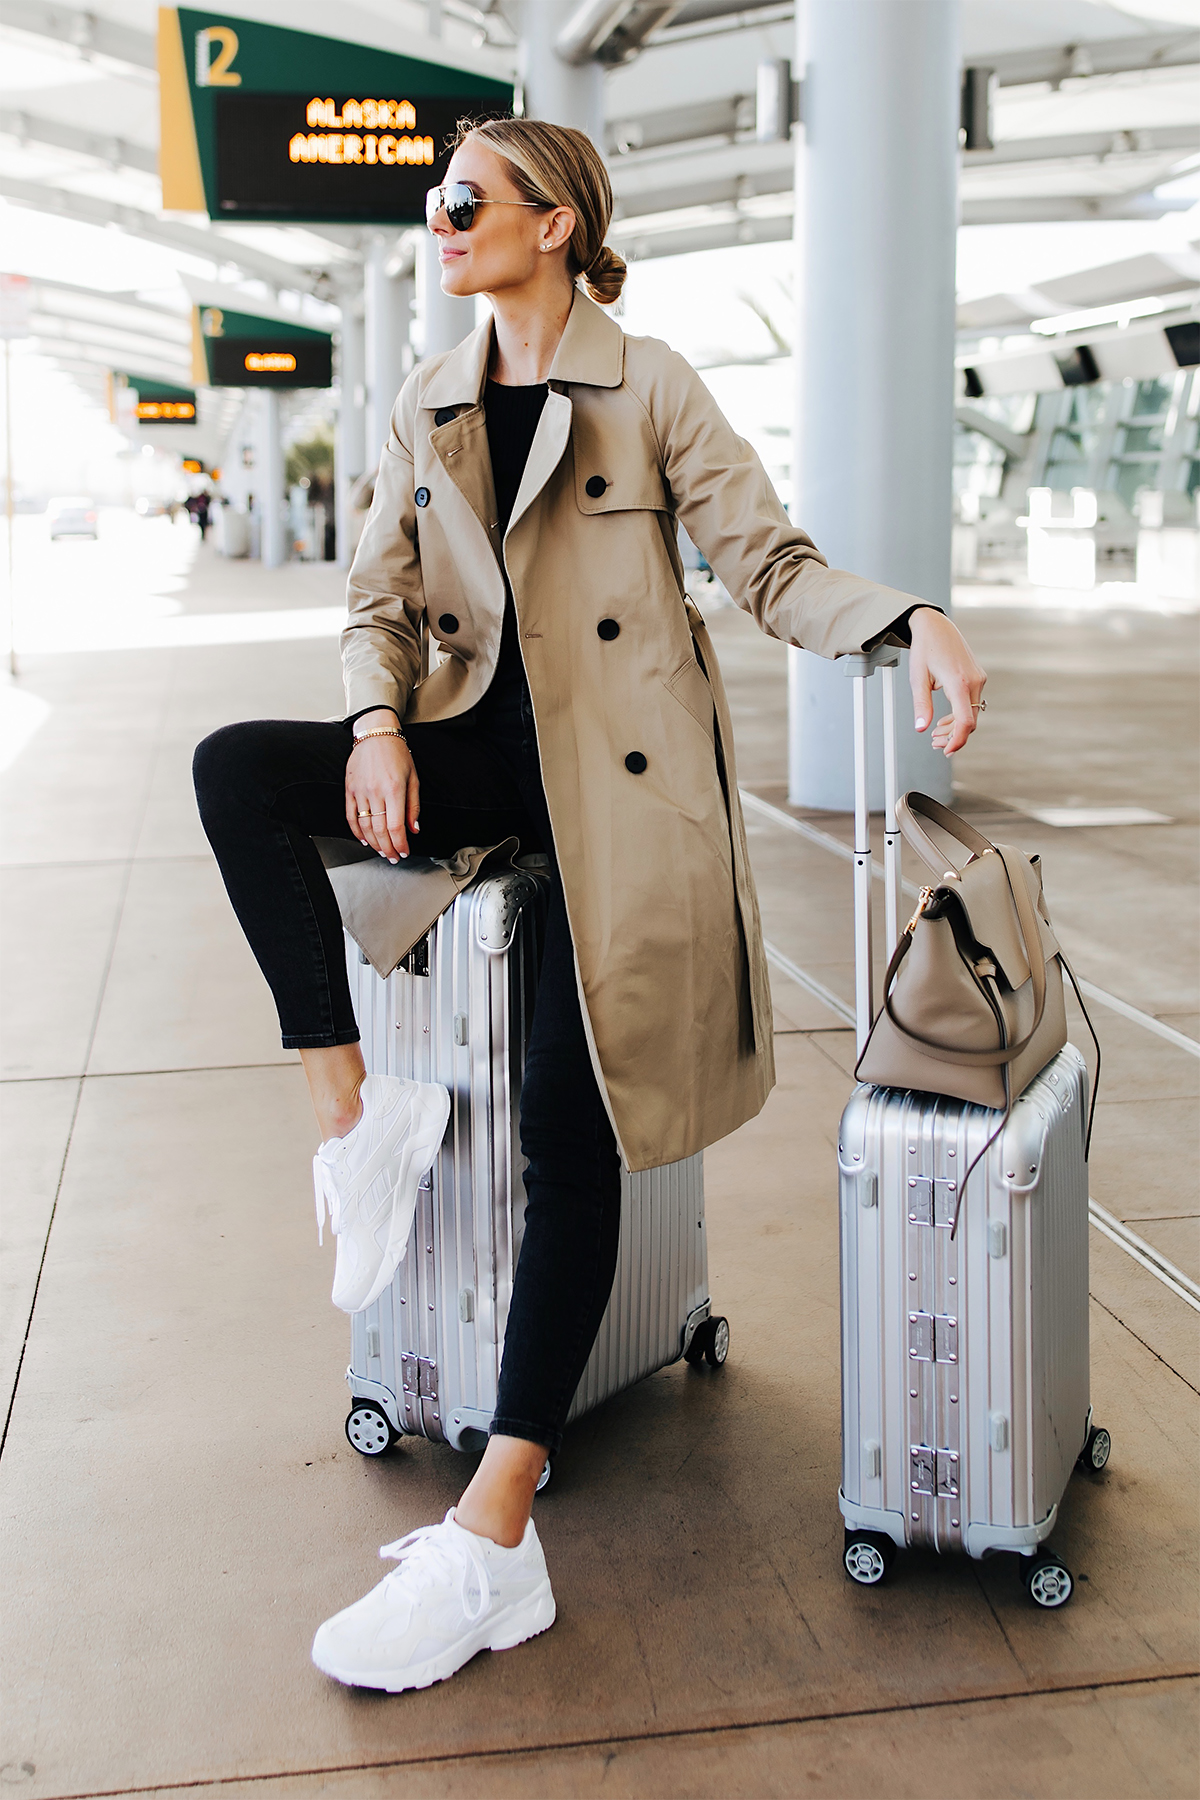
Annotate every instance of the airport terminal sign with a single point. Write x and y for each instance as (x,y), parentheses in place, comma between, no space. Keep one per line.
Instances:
(234,349)
(263,123)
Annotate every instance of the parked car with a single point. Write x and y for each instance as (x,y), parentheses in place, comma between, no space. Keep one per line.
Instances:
(72,515)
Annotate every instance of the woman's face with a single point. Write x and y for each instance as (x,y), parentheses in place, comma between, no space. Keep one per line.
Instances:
(503,248)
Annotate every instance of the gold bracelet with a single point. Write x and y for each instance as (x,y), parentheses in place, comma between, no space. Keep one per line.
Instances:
(383,731)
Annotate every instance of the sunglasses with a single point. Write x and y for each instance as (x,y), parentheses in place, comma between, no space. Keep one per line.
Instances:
(458,202)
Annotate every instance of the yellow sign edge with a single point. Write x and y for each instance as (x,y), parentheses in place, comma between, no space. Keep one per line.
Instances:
(178,153)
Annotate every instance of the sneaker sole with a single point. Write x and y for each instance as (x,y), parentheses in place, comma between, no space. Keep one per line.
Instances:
(424,1145)
(516,1626)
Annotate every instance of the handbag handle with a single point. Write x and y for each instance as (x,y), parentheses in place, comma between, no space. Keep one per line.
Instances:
(911,807)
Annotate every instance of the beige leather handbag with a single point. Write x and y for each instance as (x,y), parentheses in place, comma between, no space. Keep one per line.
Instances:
(973,995)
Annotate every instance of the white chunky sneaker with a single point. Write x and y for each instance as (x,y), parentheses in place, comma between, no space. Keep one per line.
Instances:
(368,1180)
(452,1595)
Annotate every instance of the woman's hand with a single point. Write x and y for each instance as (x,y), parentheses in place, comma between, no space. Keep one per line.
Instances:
(383,798)
(941,658)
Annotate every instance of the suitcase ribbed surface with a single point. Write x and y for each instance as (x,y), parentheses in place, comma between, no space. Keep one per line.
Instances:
(965,1357)
(458,1011)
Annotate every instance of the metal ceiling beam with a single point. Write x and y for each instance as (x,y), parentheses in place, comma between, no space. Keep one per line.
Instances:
(89,34)
(213,246)
(1086,143)
(610,31)
(106,307)
(1112,56)
(665,236)
(114,340)
(113,152)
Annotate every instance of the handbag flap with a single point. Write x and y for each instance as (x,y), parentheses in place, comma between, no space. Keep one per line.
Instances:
(986,898)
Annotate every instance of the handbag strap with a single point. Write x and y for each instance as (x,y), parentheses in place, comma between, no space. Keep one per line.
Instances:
(986,1059)
(912,807)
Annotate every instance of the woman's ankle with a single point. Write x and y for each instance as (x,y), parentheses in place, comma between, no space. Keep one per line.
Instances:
(499,1498)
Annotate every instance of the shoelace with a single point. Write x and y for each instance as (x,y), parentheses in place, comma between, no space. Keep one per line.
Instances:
(429,1555)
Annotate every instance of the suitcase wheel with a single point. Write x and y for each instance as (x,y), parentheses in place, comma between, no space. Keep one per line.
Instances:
(1096,1451)
(1048,1580)
(369,1429)
(710,1343)
(868,1556)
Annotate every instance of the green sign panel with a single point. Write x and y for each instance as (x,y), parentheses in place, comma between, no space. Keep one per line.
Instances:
(234,349)
(159,402)
(263,123)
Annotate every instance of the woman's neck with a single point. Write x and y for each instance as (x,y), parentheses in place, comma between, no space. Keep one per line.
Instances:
(528,330)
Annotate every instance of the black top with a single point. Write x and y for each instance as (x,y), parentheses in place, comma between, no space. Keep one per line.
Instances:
(512,415)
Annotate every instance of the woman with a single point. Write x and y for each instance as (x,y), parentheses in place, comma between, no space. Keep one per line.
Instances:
(525,513)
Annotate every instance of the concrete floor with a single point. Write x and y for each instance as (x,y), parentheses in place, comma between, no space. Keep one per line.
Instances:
(181,1507)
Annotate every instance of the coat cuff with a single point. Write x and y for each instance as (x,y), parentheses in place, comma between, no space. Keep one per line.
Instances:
(899,631)
(352,719)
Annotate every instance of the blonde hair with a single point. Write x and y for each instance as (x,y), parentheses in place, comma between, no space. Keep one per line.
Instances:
(555,165)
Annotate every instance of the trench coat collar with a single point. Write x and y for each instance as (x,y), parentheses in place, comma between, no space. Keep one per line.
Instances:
(591,351)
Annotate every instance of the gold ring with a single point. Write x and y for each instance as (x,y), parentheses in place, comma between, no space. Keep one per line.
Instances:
(364,815)
(979,706)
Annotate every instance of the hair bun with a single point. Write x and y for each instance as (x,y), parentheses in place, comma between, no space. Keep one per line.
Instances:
(605,275)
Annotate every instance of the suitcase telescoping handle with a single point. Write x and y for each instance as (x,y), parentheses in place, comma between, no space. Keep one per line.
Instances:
(860,668)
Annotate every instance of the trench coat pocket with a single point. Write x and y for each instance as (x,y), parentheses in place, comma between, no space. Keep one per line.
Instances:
(387,910)
(689,685)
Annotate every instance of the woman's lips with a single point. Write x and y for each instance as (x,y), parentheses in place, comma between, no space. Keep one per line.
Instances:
(445,256)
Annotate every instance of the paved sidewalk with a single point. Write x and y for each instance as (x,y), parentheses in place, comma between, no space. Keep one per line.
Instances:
(180,1504)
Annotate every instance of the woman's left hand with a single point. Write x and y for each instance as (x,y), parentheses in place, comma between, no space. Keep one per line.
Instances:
(941,658)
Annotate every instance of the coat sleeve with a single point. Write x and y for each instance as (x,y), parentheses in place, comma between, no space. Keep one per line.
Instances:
(385,597)
(730,510)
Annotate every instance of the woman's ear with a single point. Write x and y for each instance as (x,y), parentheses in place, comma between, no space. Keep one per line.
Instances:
(560,228)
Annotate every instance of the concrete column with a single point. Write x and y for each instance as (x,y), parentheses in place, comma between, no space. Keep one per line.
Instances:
(387,309)
(270,484)
(876,216)
(350,454)
(445,319)
(553,89)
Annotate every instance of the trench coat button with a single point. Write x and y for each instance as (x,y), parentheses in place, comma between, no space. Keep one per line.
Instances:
(635,762)
(422,496)
(594,486)
(448,623)
(608,629)
(444,416)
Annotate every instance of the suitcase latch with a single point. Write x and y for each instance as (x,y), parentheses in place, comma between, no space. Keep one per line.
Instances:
(932,1337)
(933,1471)
(922,1469)
(947,1473)
(931,1200)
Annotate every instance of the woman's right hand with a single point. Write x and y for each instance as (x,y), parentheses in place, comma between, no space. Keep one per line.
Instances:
(383,796)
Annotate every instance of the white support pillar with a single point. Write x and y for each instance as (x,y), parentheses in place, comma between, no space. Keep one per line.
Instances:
(563,93)
(387,309)
(876,216)
(350,453)
(445,319)
(270,486)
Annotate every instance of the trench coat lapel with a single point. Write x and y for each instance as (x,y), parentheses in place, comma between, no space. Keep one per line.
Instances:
(590,353)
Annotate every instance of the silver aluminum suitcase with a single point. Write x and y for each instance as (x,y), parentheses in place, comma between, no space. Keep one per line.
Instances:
(965,1402)
(425,1358)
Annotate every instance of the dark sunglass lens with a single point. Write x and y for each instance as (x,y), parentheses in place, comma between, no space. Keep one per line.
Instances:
(460,206)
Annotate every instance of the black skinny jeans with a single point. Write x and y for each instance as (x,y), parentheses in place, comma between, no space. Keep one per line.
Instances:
(265,789)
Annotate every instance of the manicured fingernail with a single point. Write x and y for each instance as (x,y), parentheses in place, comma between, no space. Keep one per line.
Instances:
(393,860)
(404,854)
(415,826)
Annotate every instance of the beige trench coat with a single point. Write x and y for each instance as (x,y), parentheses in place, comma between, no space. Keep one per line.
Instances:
(659,892)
